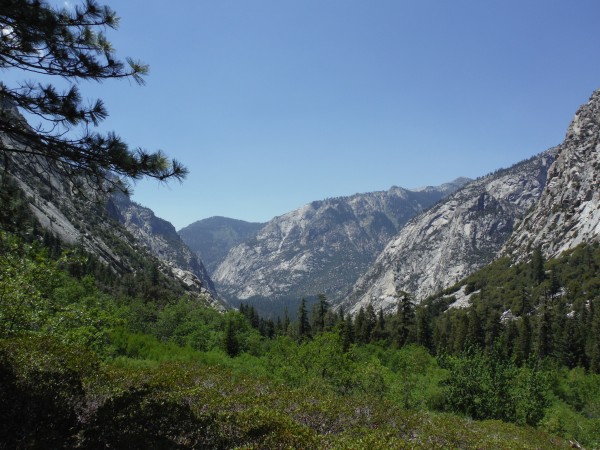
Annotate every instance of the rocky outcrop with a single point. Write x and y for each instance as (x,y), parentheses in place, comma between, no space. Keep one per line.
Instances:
(322,247)
(162,240)
(124,236)
(568,212)
(211,239)
(454,238)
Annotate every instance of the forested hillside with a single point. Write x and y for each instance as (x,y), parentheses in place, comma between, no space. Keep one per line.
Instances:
(91,360)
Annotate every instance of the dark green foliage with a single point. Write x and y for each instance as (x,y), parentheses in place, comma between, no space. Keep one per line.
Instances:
(303,323)
(231,345)
(405,319)
(14,206)
(138,418)
(538,273)
(550,313)
(320,316)
(423,328)
(489,386)
(42,392)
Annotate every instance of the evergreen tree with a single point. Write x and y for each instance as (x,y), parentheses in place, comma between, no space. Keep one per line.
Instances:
(360,327)
(231,344)
(41,39)
(492,327)
(370,322)
(424,334)
(347,333)
(460,326)
(405,319)
(279,327)
(379,331)
(544,331)
(523,345)
(253,317)
(303,324)
(475,336)
(320,311)
(524,302)
(285,325)
(538,273)
(554,285)
(572,353)
(442,334)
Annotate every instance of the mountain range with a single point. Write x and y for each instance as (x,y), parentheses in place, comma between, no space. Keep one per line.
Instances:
(357,250)
(454,238)
(369,248)
(322,247)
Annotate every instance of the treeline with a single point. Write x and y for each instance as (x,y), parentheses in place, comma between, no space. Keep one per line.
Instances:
(546,310)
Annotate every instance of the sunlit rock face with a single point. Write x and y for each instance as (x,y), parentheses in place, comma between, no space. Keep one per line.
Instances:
(124,236)
(568,212)
(322,247)
(454,238)
(160,237)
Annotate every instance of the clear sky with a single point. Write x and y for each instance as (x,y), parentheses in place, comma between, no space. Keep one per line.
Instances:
(274,103)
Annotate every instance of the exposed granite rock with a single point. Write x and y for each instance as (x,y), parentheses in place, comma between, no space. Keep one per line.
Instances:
(161,238)
(454,238)
(124,244)
(322,247)
(568,212)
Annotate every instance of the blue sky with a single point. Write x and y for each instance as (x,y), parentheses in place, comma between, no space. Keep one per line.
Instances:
(274,103)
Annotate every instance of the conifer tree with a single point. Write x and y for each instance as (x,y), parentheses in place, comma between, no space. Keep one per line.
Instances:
(405,319)
(538,273)
(379,331)
(360,327)
(347,333)
(544,339)
(39,39)
(370,322)
(285,325)
(303,323)
(320,310)
(460,325)
(475,334)
(523,344)
(424,334)
(232,346)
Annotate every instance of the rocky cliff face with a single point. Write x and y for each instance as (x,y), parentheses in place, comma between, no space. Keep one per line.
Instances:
(162,240)
(124,236)
(454,238)
(323,246)
(568,212)
(211,239)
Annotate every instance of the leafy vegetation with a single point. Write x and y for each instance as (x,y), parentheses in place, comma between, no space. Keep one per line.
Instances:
(91,359)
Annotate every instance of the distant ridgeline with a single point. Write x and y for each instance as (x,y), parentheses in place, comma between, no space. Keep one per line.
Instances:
(321,248)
